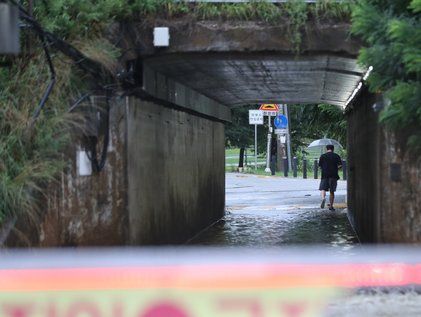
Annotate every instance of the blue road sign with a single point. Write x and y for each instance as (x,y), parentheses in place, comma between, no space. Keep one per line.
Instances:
(281,122)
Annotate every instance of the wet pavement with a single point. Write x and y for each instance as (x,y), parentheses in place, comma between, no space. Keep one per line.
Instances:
(267,211)
(404,302)
(264,211)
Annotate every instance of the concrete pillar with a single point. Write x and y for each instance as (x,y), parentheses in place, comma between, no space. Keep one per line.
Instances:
(363,166)
(176,173)
(384,185)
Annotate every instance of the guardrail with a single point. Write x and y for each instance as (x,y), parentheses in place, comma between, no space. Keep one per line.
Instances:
(306,166)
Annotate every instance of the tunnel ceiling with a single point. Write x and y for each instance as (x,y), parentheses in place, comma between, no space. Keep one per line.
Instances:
(250,78)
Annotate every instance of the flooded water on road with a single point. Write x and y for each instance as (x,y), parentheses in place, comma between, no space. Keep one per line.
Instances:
(274,212)
(266,212)
(277,228)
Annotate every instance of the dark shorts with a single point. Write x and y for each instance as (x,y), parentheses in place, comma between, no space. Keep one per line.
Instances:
(328,184)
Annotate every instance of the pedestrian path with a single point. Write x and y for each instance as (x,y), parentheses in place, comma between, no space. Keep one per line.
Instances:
(264,211)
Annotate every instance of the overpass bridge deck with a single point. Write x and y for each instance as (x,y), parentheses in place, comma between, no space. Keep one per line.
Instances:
(236,79)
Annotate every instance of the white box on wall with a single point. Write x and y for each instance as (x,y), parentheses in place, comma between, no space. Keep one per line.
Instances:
(84,165)
(161,36)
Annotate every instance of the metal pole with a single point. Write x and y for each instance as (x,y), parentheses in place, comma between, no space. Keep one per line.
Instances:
(288,140)
(267,169)
(279,153)
(285,167)
(255,147)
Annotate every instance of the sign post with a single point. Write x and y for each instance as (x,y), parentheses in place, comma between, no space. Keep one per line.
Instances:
(267,169)
(255,117)
(282,129)
(255,147)
(288,139)
(281,124)
(269,110)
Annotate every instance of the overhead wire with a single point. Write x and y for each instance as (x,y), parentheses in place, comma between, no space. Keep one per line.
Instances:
(92,141)
(97,164)
(38,29)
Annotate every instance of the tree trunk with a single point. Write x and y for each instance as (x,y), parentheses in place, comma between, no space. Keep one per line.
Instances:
(280,153)
(241,159)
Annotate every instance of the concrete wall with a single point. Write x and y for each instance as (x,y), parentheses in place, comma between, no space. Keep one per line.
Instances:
(176,164)
(384,181)
(363,167)
(83,210)
(163,182)
(400,192)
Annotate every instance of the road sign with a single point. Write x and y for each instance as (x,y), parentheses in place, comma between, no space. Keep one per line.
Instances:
(255,117)
(269,107)
(281,122)
(280,131)
(269,113)
(283,139)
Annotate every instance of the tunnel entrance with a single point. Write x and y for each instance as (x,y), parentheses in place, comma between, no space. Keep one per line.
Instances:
(267,211)
(236,79)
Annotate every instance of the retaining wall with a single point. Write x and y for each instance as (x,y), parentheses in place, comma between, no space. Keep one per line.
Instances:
(384,180)
(163,182)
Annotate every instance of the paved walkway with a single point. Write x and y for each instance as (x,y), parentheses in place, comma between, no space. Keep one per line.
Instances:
(264,211)
(246,191)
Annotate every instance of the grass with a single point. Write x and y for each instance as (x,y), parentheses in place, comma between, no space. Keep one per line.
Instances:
(75,19)
(31,155)
(232,152)
(261,171)
(231,157)
(31,152)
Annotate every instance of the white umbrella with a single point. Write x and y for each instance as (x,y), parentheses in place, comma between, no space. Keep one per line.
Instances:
(324,142)
(321,143)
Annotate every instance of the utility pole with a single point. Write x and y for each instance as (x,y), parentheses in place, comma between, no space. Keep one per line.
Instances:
(268,155)
(280,149)
(255,117)
(255,147)
(288,139)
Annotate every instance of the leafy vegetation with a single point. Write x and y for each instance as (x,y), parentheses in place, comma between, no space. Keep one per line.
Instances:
(73,18)
(316,122)
(30,152)
(239,133)
(30,155)
(392,31)
(308,122)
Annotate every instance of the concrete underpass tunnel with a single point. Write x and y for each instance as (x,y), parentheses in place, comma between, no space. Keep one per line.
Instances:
(176,99)
(209,84)
(207,69)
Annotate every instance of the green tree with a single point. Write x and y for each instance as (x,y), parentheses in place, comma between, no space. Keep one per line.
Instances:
(239,133)
(392,32)
(307,122)
(310,122)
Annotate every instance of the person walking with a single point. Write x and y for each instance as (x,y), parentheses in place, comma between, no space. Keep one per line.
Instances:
(330,163)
